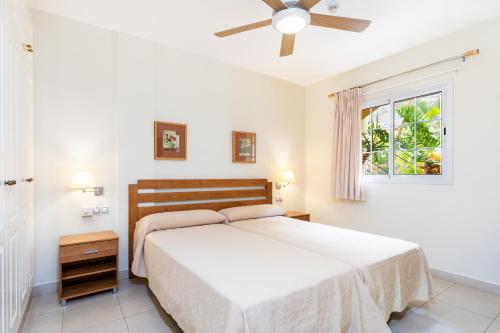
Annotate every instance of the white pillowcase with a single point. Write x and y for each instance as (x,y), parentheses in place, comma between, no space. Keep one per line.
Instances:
(252,212)
(179,219)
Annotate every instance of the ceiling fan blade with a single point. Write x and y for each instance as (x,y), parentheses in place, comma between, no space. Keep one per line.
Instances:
(287,44)
(338,22)
(276,4)
(244,28)
(307,4)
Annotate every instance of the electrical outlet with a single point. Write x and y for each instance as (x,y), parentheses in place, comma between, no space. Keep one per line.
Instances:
(87,212)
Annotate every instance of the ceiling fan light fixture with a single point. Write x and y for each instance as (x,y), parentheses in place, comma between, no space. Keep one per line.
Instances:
(291,20)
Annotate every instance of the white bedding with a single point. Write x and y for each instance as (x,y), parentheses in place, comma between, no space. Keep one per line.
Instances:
(395,271)
(216,278)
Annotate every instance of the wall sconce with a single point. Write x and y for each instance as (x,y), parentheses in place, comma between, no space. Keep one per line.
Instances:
(287,178)
(84,181)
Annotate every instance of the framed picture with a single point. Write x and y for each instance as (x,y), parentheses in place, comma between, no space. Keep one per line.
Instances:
(244,147)
(170,141)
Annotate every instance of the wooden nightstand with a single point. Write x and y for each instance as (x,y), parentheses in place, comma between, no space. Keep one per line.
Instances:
(299,215)
(88,263)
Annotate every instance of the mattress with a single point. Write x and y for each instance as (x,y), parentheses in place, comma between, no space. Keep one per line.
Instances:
(216,278)
(395,272)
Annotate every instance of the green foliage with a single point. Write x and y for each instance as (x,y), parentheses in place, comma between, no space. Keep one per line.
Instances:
(417,139)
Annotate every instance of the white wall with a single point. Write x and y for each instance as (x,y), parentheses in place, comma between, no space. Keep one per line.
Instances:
(458,225)
(74,130)
(97,95)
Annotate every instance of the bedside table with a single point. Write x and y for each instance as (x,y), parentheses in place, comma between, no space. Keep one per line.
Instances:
(88,263)
(299,215)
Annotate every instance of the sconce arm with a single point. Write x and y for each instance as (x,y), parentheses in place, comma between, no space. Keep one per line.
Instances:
(98,191)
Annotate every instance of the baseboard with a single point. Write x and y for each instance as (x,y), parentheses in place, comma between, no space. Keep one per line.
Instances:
(44,288)
(467,281)
(51,287)
(123,274)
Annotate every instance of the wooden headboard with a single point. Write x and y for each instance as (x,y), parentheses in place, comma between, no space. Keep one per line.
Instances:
(151,196)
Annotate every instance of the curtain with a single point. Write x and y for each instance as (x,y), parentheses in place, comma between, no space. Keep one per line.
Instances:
(346,166)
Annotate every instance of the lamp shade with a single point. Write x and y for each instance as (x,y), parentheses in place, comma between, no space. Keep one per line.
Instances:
(288,177)
(291,20)
(82,180)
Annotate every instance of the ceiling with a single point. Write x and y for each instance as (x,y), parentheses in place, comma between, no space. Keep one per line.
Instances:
(189,25)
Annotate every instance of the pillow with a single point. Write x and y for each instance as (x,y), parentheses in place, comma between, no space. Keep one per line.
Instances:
(252,212)
(187,218)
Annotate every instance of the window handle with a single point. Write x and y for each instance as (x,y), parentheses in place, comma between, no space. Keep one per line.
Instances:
(10,182)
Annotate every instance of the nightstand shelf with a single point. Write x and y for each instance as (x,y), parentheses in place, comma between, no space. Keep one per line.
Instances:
(89,287)
(88,264)
(88,268)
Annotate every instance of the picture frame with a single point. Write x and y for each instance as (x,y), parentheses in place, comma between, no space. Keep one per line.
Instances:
(170,141)
(244,147)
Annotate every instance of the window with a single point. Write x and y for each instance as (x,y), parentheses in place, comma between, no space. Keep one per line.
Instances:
(406,137)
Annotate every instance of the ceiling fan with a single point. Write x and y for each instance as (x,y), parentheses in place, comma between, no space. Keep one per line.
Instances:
(292,16)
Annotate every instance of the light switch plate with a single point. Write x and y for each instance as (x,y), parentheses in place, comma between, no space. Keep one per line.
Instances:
(104,210)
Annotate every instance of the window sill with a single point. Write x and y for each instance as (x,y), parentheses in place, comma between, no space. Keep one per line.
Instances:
(422,180)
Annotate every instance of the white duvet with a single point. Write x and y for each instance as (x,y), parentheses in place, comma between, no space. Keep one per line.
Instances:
(216,278)
(395,271)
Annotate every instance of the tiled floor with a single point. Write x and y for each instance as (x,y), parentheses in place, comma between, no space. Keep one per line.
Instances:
(455,309)
(133,309)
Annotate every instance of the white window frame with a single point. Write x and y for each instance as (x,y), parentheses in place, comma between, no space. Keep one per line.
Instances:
(446,89)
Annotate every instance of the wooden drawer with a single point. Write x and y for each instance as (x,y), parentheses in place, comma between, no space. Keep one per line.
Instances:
(88,251)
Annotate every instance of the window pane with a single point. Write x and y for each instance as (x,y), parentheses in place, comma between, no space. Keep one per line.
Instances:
(380,161)
(404,136)
(367,162)
(404,112)
(429,107)
(429,134)
(365,118)
(380,139)
(366,141)
(404,162)
(380,116)
(429,161)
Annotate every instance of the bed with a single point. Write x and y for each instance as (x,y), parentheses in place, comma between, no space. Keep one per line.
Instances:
(217,278)
(395,271)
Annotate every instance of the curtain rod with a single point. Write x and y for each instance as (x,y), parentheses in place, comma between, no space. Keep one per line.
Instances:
(463,56)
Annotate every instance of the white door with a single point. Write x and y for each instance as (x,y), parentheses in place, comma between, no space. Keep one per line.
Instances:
(24,132)
(16,163)
(8,178)
(3,269)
